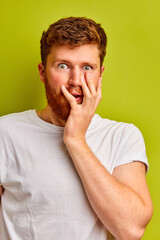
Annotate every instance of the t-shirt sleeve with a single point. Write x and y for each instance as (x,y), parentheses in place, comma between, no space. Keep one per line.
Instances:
(132,148)
(2,154)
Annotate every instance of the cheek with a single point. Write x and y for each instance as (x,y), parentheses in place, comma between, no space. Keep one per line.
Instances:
(57,79)
(95,78)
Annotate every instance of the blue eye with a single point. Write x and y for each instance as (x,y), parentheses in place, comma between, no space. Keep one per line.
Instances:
(87,67)
(62,66)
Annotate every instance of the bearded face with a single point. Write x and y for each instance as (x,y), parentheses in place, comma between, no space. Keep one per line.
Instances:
(57,101)
(65,66)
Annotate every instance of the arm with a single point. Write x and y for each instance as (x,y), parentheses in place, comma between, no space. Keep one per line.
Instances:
(121,201)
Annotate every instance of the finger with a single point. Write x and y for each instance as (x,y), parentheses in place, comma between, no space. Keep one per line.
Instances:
(86,91)
(87,97)
(91,85)
(96,100)
(99,92)
(69,97)
(99,87)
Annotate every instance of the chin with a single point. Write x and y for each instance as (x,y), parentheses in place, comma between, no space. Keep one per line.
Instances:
(61,110)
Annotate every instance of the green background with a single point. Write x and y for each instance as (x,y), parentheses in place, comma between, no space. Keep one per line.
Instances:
(131,78)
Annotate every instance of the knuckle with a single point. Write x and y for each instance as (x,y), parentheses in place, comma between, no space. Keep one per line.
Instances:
(95,95)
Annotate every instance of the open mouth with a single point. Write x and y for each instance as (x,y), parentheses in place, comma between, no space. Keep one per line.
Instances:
(77,93)
(78,97)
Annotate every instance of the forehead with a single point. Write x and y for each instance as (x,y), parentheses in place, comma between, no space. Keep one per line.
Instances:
(83,53)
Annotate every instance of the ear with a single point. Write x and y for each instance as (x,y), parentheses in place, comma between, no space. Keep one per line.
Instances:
(41,71)
(102,70)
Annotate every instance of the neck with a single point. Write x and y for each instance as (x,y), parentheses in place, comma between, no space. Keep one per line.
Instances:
(47,115)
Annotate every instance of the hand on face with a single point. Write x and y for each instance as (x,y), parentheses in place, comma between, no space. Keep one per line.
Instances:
(81,112)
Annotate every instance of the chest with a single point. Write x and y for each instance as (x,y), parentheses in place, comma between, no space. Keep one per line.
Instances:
(40,169)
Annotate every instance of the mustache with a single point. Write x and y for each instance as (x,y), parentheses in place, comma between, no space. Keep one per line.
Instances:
(72,89)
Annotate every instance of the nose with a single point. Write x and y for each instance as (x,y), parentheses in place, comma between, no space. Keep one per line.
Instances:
(75,76)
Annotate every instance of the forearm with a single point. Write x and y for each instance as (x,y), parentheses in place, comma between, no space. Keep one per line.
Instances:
(120,209)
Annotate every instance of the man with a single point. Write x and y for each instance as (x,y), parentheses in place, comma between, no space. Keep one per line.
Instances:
(65,172)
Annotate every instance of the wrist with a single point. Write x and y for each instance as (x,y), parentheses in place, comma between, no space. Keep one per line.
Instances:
(75,142)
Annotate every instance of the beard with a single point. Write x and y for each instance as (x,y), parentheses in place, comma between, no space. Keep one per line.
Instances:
(57,101)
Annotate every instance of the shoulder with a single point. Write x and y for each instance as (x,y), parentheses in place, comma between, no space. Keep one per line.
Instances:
(13,120)
(126,136)
(113,127)
(15,116)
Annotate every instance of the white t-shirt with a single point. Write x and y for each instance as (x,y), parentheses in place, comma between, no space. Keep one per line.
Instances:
(44,198)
